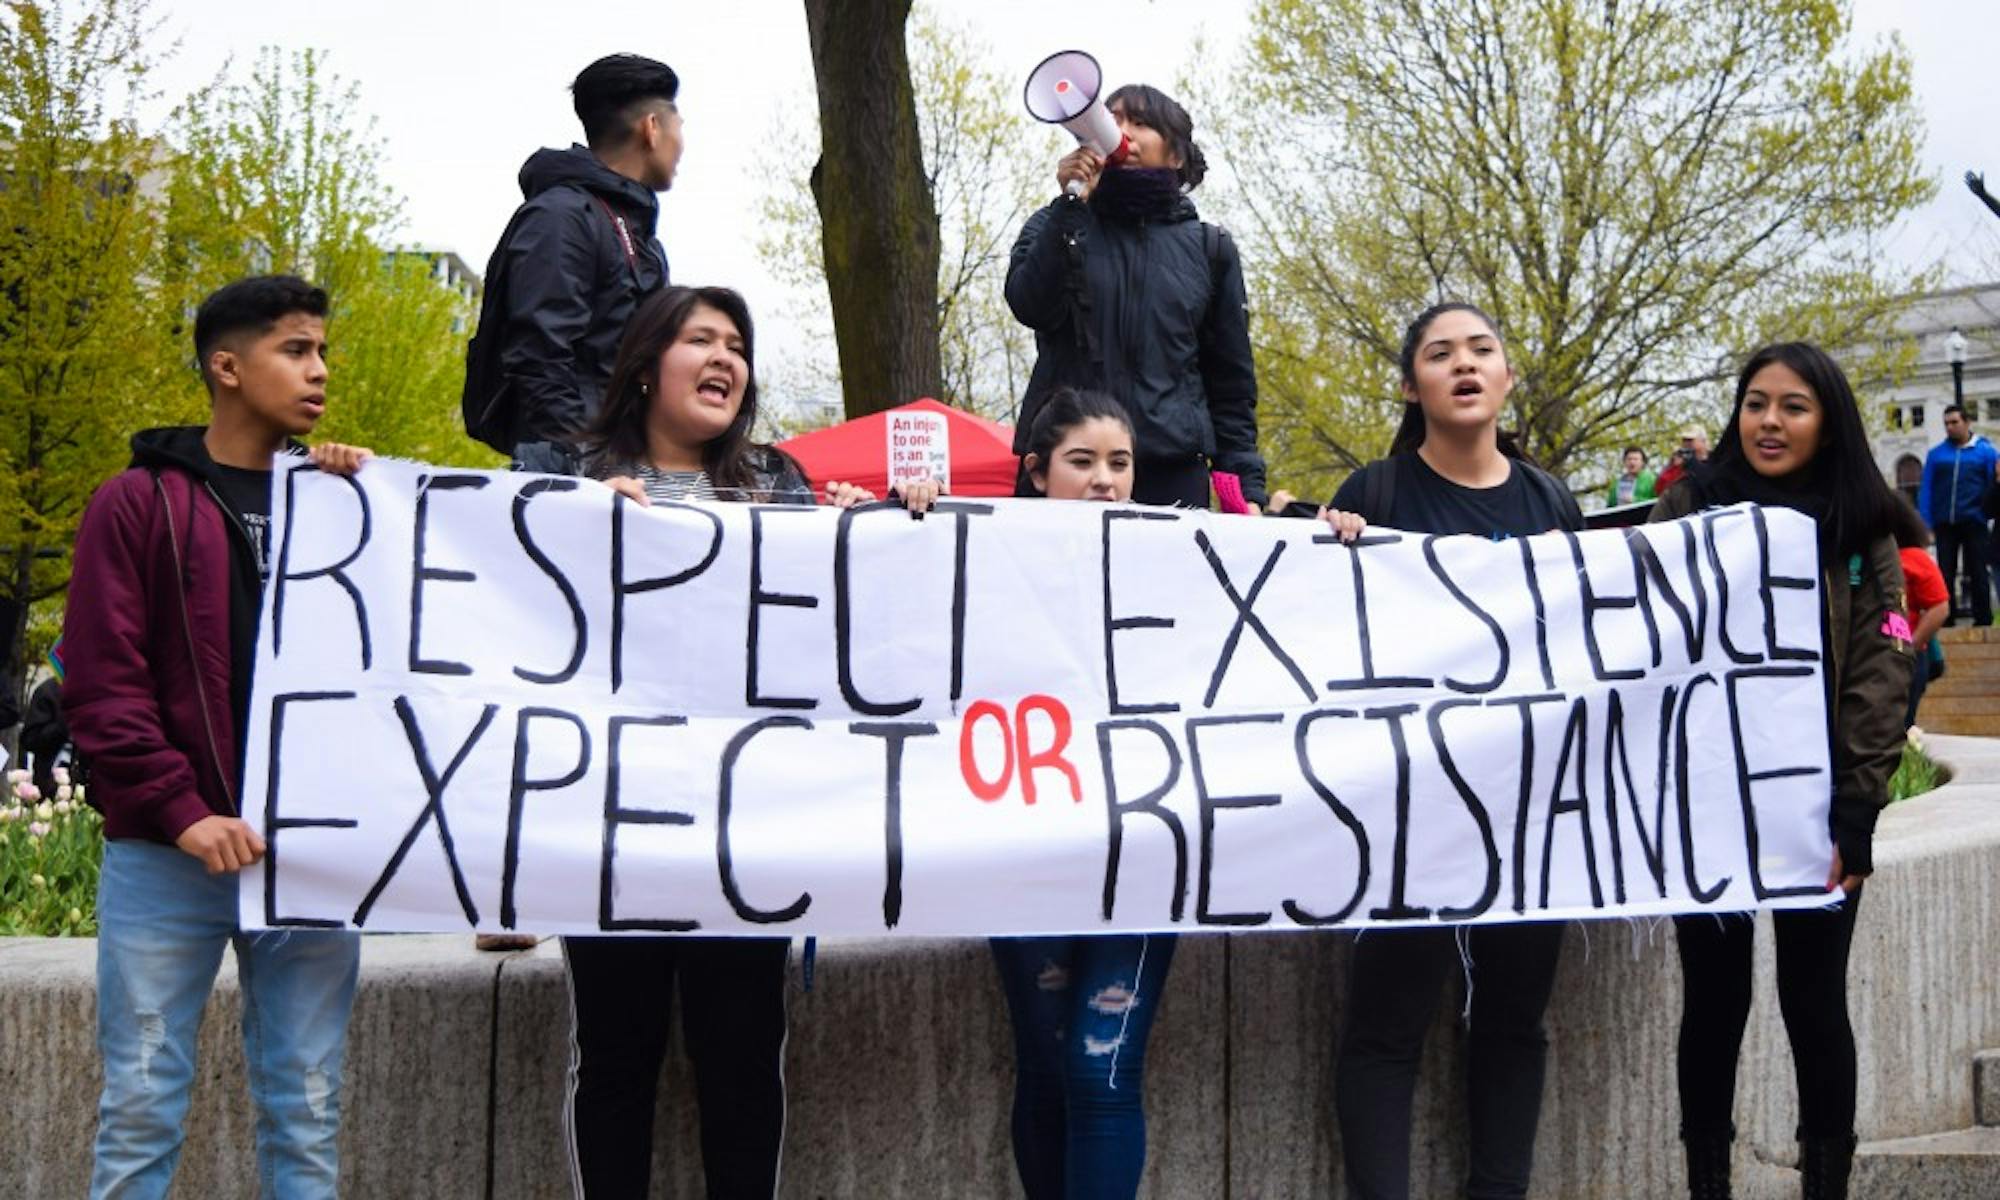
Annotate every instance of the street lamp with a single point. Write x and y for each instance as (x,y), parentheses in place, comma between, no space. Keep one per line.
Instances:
(1954,353)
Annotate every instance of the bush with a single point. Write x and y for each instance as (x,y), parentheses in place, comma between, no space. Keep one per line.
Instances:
(1917,773)
(49,850)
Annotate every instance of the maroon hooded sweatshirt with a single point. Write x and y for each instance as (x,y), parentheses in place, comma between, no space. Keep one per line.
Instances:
(163,604)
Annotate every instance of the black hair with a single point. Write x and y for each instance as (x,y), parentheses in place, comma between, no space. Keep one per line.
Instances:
(1841,483)
(1064,410)
(1954,408)
(1910,531)
(1410,431)
(254,305)
(609,93)
(618,434)
(1153,108)
(1638,450)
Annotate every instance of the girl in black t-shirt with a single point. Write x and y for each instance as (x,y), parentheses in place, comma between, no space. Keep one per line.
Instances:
(1450,470)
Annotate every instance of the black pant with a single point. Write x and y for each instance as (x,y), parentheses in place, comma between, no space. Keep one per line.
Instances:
(1971,536)
(733,1025)
(1812,996)
(1394,985)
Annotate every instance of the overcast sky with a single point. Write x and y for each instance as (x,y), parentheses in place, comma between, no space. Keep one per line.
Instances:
(463,92)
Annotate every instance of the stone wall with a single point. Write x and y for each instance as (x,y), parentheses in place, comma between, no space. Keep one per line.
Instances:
(899,1066)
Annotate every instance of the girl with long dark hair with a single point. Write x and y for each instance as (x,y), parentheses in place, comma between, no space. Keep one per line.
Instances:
(676,425)
(1795,440)
(1450,470)
(1082,1007)
(1128,292)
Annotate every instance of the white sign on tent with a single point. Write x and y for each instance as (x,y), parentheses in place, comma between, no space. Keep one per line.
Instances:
(919,447)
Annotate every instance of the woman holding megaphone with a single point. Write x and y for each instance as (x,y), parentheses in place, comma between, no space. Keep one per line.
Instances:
(1131,294)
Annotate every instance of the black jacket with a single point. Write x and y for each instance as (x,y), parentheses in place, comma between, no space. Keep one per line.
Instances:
(1168,323)
(560,286)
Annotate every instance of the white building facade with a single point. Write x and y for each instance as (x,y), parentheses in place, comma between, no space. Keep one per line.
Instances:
(1913,409)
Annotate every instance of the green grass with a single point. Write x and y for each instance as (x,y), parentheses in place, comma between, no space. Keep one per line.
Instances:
(1915,775)
(49,850)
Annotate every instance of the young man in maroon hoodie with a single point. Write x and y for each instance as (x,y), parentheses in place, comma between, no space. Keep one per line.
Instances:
(163,603)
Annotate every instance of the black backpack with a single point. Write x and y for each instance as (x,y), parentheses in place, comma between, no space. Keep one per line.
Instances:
(489,411)
(483,403)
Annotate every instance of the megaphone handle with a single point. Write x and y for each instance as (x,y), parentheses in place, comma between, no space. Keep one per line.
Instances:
(1074,189)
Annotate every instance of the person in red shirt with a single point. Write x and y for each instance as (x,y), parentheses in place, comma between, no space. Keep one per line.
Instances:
(1927,600)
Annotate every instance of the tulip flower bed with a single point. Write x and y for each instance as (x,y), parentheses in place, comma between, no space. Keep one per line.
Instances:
(49,851)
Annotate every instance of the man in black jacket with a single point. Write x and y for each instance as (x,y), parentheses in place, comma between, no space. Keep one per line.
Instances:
(576,259)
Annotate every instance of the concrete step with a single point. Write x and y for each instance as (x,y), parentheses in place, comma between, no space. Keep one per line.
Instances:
(1962,1165)
(1987,726)
(1946,704)
(1956,634)
(1986,1087)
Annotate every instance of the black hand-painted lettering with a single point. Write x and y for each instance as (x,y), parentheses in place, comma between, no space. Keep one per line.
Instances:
(285,576)
(725,806)
(1770,585)
(1368,679)
(843,619)
(1747,779)
(1116,811)
(432,811)
(962,514)
(273,823)
(1526,800)
(1398,908)
(1490,890)
(893,735)
(1593,603)
(519,785)
(1246,617)
(421,574)
(1534,577)
(760,600)
(1114,623)
(1211,804)
(1617,759)
(1576,737)
(622,587)
(1684,794)
(1647,565)
(579,632)
(616,814)
(1341,813)
(1709,520)
(1485,618)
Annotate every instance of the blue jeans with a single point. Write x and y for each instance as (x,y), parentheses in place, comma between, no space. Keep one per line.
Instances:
(162,923)
(1082,1009)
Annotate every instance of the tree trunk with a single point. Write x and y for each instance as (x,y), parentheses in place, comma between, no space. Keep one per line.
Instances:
(878,221)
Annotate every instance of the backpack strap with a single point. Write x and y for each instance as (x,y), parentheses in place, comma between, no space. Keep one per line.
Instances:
(624,232)
(1378,491)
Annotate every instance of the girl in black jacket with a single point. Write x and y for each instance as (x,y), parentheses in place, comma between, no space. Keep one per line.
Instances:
(1129,293)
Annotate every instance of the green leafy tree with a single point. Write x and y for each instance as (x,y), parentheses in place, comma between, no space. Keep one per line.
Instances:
(278,173)
(80,352)
(1638,193)
(987,167)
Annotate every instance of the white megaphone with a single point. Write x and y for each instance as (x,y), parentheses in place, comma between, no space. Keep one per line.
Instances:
(1063,91)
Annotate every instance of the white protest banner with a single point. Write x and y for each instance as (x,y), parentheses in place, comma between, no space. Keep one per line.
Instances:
(919,447)
(511,701)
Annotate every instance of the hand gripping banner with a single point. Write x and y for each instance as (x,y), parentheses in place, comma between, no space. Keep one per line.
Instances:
(505,701)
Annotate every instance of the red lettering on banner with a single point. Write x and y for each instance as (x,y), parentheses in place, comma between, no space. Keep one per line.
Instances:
(1031,758)
(1017,746)
(968,765)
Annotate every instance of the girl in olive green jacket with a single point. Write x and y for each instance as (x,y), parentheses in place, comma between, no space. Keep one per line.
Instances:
(1796,441)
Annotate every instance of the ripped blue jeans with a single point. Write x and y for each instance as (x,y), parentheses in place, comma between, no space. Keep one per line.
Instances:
(162,922)
(1082,1010)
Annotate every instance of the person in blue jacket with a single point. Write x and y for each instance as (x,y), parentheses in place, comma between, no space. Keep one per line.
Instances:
(1957,474)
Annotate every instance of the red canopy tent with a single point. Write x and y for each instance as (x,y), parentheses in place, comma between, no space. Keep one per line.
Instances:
(979,452)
